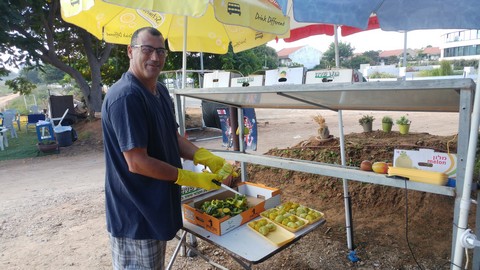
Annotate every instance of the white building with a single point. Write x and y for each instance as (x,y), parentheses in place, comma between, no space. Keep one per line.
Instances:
(307,56)
(460,45)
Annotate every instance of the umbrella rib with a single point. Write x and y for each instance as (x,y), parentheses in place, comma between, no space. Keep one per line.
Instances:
(378,7)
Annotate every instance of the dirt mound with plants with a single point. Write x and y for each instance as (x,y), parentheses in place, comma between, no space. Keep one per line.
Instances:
(388,223)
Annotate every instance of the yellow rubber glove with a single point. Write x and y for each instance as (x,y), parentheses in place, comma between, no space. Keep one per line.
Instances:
(200,180)
(205,157)
(227,170)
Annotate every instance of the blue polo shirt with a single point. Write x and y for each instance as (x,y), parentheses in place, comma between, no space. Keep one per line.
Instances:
(137,206)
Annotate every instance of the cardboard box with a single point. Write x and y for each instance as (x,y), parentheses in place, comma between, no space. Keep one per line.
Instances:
(252,80)
(218,79)
(333,75)
(285,75)
(259,198)
(426,159)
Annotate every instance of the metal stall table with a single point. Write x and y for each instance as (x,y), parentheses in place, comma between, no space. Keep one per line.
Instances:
(444,95)
(242,244)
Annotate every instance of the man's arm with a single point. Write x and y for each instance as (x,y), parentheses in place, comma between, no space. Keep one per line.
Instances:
(140,162)
(187,149)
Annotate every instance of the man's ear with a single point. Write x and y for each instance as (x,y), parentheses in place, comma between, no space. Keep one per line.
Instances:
(129,51)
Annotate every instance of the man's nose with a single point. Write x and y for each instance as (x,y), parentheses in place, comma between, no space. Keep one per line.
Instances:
(155,56)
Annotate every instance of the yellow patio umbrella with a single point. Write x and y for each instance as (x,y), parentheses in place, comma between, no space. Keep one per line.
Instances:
(208,25)
(188,25)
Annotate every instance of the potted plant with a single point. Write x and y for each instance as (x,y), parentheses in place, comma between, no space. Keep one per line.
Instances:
(366,122)
(47,146)
(323,132)
(387,123)
(403,125)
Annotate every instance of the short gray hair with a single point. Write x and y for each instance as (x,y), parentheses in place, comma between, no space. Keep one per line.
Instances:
(151,30)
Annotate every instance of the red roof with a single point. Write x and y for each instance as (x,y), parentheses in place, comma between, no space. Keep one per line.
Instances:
(431,50)
(386,54)
(287,51)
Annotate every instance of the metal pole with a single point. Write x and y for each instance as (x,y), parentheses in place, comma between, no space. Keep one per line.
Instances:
(405,53)
(241,139)
(337,53)
(346,195)
(179,108)
(467,184)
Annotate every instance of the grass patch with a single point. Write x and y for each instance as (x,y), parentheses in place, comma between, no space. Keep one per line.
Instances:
(25,146)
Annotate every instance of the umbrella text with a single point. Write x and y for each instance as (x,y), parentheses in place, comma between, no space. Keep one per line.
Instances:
(268,19)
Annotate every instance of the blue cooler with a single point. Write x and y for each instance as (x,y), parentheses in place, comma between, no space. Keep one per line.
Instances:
(63,135)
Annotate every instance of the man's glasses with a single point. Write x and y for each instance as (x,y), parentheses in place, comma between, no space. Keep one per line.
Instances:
(148,50)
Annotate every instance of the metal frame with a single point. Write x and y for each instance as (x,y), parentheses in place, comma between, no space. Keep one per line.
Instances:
(450,95)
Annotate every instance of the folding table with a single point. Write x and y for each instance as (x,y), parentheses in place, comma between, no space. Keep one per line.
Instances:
(242,244)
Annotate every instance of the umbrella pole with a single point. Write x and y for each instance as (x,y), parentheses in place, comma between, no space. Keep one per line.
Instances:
(405,54)
(337,53)
(346,195)
(181,106)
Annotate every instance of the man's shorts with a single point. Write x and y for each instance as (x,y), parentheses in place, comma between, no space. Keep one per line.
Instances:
(129,254)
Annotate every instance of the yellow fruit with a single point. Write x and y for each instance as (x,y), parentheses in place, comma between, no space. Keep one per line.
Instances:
(380,167)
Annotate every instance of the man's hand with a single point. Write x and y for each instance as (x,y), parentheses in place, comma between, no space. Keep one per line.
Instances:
(226,171)
(205,157)
(200,180)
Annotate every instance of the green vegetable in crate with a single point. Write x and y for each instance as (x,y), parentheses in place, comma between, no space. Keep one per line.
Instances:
(231,206)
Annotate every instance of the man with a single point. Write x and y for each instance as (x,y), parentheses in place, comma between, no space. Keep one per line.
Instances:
(143,152)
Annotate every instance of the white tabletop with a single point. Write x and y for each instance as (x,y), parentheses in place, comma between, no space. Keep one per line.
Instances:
(245,243)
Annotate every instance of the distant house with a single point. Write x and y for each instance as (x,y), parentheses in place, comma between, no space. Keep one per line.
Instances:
(307,56)
(431,53)
(398,53)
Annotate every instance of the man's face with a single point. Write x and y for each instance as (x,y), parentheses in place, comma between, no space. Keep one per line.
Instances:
(147,56)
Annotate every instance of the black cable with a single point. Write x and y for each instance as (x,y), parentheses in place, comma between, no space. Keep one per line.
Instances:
(406,226)
(452,263)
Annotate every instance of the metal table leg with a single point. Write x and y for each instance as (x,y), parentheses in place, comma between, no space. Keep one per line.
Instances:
(182,241)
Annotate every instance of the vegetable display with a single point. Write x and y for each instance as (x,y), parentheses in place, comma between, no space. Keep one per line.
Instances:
(301,211)
(262,226)
(231,206)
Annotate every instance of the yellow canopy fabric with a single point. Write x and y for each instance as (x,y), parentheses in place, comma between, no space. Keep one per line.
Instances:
(247,24)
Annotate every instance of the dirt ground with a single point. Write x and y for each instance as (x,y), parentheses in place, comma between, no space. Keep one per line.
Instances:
(52,214)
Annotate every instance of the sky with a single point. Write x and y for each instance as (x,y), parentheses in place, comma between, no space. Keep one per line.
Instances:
(371,40)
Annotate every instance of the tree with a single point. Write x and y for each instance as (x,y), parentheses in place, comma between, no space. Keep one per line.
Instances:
(250,61)
(356,61)
(345,51)
(374,57)
(49,74)
(35,34)
(21,85)
(246,62)
(3,71)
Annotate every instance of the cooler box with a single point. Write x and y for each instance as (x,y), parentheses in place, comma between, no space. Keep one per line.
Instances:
(259,199)
(284,75)
(63,135)
(252,80)
(333,75)
(218,79)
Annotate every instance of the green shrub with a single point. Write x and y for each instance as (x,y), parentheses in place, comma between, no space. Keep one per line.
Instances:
(381,75)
